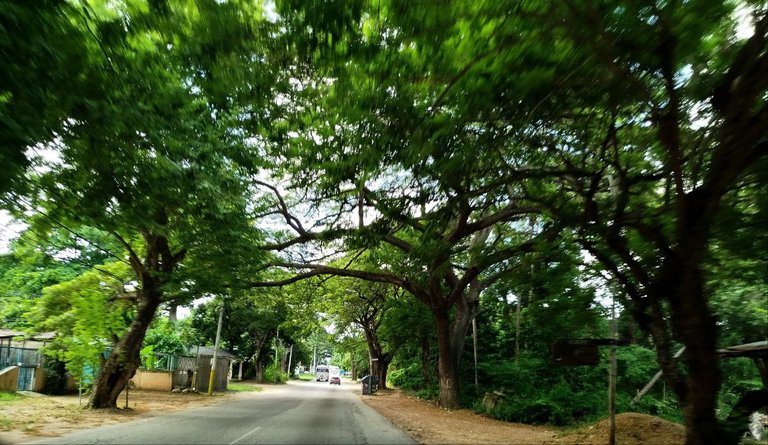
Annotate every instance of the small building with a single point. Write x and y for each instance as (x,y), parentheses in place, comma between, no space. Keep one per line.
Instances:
(21,360)
(192,370)
(203,356)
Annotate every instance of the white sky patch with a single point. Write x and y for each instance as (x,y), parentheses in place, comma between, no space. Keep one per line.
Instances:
(67,254)
(186,311)
(745,26)
(699,120)
(270,11)
(9,230)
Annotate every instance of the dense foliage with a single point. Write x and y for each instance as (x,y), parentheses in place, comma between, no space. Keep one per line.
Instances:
(485,172)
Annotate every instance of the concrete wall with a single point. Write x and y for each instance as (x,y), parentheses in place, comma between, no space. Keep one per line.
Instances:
(158,380)
(9,378)
(39,382)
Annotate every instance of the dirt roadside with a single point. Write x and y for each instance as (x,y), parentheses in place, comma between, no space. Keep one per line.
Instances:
(50,416)
(428,424)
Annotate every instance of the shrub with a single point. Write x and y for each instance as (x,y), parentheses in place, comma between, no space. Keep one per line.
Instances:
(411,380)
(55,372)
(274,375)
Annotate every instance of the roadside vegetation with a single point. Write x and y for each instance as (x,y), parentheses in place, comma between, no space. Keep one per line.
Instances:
(243,387)
(9,396)
(429,194)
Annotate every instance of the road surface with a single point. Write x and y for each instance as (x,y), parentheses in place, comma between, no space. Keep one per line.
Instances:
(299,412)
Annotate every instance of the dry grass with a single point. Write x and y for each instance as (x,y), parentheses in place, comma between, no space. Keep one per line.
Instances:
(29,417)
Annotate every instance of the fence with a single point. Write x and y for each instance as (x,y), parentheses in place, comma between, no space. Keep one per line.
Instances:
(11,356)
(182,365)
(204,373)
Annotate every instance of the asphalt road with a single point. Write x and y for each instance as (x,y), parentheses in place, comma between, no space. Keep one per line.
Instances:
(296,413)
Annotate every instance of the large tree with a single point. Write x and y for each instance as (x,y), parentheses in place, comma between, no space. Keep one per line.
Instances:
(379,147)
(681,122)
(364,304)
(149,157)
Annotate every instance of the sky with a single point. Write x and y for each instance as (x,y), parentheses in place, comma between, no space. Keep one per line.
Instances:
(9,230)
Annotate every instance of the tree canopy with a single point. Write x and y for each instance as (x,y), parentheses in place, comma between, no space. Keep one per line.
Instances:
(502,162)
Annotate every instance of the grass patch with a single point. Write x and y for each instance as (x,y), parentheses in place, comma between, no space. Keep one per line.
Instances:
(5,424)
(306,376)
(9,396)
(243,387)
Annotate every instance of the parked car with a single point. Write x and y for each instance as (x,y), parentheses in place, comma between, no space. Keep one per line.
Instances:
(335,380)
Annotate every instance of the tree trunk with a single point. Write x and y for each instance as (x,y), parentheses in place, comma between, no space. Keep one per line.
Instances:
(450,343)
(447,364)
(383,368)
(258,366)
(695,325)
(259,372)
(762,369)
(375,351)
(122,363)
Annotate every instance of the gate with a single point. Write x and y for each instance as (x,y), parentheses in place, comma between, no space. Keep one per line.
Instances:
(26,380)
(182,376)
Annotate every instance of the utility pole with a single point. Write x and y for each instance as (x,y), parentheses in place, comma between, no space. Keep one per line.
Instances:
(474,342)
(290,358)
(314,357)
(216,350)
(612,377)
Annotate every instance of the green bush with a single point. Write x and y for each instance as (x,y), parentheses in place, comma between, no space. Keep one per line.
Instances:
(538,393)
(148,358)
(411,380)
(274,375)
(55,372)
(408,378)
(164,339)
(557,405)
(664,407)
(428,393)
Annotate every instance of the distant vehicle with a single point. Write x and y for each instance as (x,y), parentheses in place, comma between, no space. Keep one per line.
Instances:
(335,380)
(321,373)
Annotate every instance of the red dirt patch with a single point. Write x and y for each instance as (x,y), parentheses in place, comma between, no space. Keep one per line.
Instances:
(428,424)
(631,429)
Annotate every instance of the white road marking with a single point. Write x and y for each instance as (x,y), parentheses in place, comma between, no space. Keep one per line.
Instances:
(245,435)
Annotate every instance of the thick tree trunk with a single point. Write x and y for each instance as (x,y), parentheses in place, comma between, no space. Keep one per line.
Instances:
(376,352)
(466,309)
(450,344)
(383,369)
(447,364)
(259,372)
(122,363)
(695,325)
(258,366)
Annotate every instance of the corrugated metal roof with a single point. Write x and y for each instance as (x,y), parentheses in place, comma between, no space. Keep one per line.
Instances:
(10,333)
(206,350)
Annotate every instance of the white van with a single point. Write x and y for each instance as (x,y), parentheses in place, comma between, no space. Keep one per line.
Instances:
(321,373)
